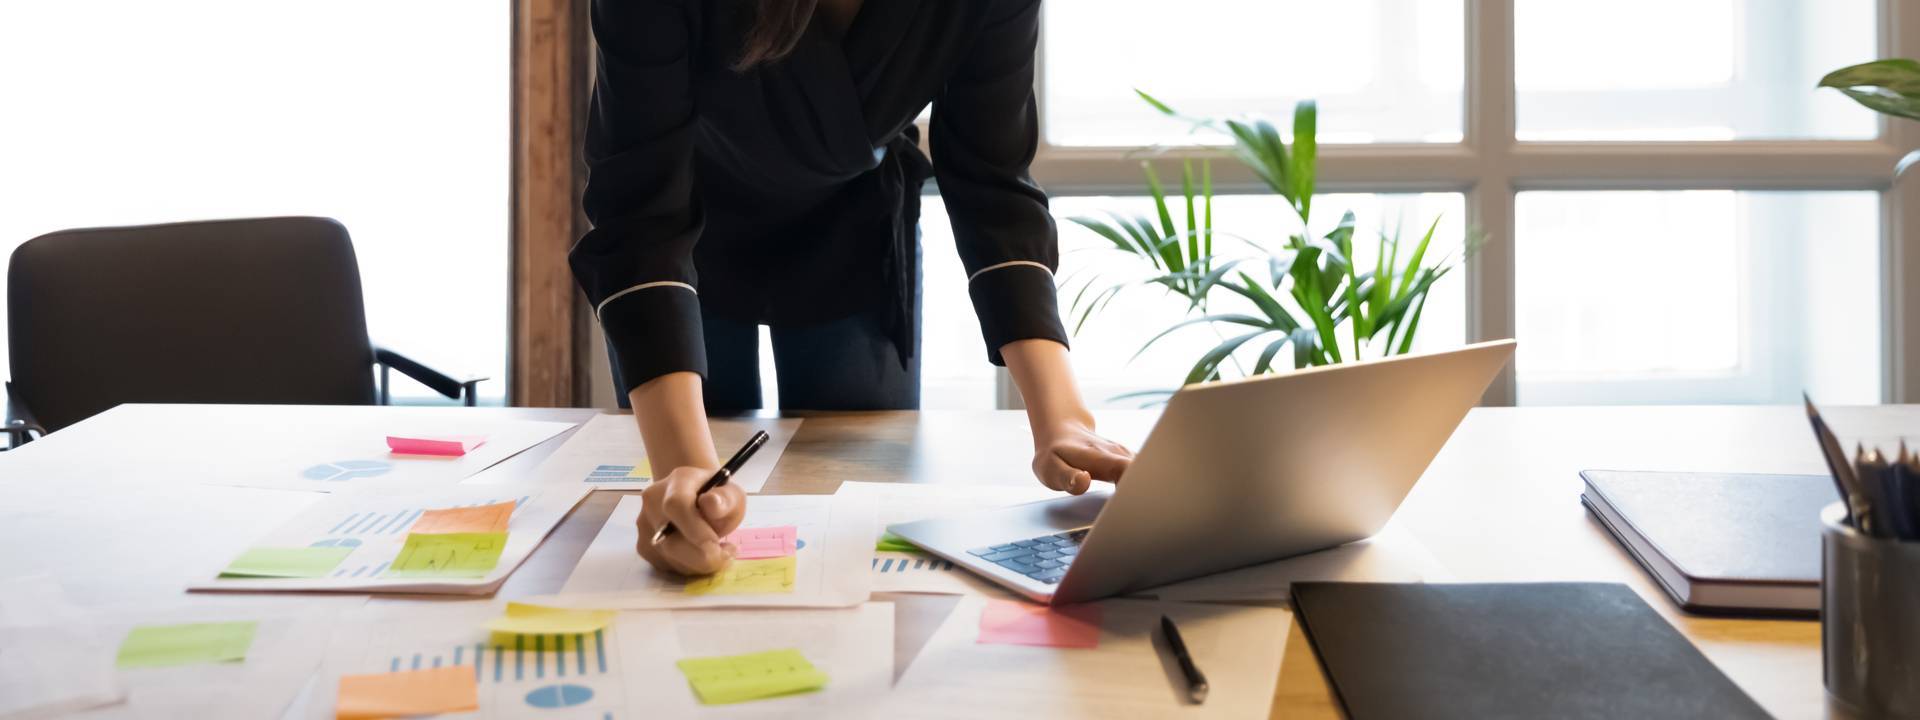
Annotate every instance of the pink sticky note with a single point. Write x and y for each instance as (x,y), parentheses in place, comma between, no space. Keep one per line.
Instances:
(1013,622)
(763,542)
(445,445)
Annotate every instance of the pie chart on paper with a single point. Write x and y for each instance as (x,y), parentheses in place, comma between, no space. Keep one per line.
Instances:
(348,470)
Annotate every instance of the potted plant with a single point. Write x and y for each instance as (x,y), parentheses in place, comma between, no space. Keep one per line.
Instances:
(1301,291)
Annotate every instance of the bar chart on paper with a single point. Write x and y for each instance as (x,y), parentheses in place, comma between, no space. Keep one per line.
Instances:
(574,675)
(908,572)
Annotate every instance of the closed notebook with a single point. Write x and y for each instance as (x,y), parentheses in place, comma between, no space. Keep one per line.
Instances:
(1533,650)
(1719,542)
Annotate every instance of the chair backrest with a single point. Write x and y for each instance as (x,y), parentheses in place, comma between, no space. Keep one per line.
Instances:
(230,311)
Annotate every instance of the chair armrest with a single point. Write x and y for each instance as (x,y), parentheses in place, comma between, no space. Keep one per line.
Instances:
(464,389)
(19,424)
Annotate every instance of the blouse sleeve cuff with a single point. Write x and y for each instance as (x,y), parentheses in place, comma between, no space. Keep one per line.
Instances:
(654,331)
(1016,302)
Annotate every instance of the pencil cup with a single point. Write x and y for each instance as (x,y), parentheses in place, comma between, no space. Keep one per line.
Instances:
(1869,619)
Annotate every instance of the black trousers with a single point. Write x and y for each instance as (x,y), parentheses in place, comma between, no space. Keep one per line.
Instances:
(845,364)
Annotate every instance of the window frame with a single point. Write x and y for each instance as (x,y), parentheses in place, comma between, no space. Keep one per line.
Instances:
(1490,165)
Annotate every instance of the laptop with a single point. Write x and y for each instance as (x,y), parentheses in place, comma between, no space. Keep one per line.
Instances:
(1235,473)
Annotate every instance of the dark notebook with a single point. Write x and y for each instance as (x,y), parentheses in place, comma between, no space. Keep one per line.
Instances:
(1720,542)
(1547,650)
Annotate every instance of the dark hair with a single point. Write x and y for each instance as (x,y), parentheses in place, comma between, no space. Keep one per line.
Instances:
(777,26)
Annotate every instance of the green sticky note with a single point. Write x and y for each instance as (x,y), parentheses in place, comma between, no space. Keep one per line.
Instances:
(277,562)
(754,676)
(448,555)
(890,542)
(190,644)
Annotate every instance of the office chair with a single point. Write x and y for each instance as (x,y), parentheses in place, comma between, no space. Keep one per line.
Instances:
(264,311)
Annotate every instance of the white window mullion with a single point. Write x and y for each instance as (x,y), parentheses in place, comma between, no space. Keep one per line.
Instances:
(1490,137)
(1900,226)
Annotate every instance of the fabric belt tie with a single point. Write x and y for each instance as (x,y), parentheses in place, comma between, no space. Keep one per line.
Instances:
(904,172)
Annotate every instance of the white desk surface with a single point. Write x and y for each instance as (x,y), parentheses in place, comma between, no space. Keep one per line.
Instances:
(1500,503)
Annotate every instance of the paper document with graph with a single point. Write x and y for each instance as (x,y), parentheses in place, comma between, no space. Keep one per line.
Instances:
(826,567)
(462,539)
(607,454)
(898,568)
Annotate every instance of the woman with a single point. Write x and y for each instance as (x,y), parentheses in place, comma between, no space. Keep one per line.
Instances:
(755,162)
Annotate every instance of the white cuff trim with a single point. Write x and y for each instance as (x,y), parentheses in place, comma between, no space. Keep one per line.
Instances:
(637,288)
(1008,264)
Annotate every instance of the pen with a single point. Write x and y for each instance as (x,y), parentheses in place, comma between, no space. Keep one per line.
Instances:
(721,476)
(1837,463)
(1196,683)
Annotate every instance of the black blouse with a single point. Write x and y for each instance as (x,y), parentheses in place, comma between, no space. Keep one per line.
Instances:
(790,193)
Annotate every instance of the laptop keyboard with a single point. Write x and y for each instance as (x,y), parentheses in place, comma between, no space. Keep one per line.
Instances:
(1043,558)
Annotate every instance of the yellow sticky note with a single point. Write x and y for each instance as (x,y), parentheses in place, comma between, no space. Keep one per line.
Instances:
(642,470)
(525,619)
(448,555)
(771,576)
(482,519)
(739,678)
(407,693)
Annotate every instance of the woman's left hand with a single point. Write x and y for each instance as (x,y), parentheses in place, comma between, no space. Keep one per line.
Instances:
(1068,456)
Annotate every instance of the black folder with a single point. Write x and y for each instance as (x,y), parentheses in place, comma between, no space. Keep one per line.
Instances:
(1534,650)
(1719,542)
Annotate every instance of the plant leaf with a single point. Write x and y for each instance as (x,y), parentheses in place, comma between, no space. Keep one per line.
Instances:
(1104,230)
(1306,352)
(1206,189)
(1236,319)
(1419,253)
(1890,86)
(1155,102)
(1300,171)
(1209,364)
(1193,222)
(1265,364)
(1255,292)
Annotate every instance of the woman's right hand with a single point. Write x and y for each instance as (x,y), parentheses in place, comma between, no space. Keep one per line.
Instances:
(701,521)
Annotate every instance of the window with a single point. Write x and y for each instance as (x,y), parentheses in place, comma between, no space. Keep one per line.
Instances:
(1688,69)
(1382,70)
(1673,213)
(390,117)
(1698,296)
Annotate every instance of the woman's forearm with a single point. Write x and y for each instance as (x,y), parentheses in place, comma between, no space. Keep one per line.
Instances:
(1045,376)
(673,422)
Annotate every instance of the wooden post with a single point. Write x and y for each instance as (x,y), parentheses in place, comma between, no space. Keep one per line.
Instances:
(549,89)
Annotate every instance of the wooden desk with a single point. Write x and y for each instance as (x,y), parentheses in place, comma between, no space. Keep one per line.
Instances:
(1500,503)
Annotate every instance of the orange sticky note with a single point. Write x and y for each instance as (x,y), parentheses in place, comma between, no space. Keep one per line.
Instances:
(764,542)
(482,519)
(1012,622)
(443,445)
(407,693)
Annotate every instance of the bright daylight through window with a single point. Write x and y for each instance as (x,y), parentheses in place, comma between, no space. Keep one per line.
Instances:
(389,117)
(1689,286)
